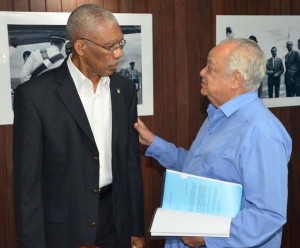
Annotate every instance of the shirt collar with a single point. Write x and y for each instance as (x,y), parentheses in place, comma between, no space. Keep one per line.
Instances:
(80,79)
(228,108)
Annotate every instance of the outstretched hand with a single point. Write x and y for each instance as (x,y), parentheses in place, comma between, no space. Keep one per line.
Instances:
(146,137)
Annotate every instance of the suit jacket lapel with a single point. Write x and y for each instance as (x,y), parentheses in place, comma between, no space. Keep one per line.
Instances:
(70,97)
(115,93)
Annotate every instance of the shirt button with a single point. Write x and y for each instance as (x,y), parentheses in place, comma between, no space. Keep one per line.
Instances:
(93,224)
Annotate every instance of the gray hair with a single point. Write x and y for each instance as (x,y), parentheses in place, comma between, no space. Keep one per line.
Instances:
(248,59)
(87,16)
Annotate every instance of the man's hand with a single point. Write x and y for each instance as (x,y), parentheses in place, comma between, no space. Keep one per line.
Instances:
(146,136)
(193,242)
(137,242)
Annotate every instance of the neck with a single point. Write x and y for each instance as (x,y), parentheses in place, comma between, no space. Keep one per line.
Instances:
(81,65)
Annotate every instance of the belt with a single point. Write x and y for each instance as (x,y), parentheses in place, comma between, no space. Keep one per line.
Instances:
(105,190)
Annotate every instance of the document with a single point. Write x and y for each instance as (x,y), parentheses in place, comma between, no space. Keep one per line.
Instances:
(168,222)
(192,193)
(196,206)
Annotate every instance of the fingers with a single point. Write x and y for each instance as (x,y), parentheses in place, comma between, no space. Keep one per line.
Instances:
(186,241)
(146,137)
(139,124)
(193,241)
(137,242)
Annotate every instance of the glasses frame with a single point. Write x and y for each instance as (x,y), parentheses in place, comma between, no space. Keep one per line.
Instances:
(113,49)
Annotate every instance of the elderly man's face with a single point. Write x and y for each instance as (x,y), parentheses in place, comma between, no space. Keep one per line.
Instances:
(98,60)
(216,83)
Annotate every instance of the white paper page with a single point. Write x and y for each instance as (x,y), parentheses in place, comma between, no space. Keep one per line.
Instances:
(181,223)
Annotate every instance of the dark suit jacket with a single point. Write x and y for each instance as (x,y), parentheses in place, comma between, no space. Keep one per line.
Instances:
(56,165)
(297,74)
(291,62)
(276,70)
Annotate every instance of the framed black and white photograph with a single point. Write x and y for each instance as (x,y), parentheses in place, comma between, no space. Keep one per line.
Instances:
(279,38)
(23,34)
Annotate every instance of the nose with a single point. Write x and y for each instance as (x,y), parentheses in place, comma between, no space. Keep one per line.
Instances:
(203,71)
(118,53)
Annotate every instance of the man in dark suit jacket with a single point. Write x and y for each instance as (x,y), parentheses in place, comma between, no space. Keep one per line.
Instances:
(291,61)
(77,180)
(274,71)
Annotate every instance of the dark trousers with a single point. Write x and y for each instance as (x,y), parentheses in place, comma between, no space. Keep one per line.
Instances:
(297,90)
(107,236)
(273,82)
(290,89)
(259,90)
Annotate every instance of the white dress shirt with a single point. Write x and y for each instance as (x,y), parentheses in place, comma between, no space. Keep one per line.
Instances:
(97,106)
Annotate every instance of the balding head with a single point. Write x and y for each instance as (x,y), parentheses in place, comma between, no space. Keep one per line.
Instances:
(85,18)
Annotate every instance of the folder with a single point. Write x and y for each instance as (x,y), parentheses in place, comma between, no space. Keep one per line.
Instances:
(196,206)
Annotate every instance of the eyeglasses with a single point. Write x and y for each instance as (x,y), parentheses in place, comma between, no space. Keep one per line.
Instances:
(111,49)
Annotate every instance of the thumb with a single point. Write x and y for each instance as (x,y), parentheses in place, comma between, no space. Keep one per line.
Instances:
(137,125)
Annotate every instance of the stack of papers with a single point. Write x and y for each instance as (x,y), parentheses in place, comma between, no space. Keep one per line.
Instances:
(196,206)
(181,223)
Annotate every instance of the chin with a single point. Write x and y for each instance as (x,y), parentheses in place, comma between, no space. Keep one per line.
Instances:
(109,73)
(203,92)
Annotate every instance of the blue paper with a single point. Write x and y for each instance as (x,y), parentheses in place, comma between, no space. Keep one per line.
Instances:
(199,194)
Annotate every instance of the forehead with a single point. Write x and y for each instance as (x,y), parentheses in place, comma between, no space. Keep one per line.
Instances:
(219,53)
(107,32)
(211,57)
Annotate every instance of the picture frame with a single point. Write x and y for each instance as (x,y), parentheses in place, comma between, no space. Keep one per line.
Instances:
(22,31)
(269,31)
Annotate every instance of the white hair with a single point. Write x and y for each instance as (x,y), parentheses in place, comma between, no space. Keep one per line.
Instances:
(248,59)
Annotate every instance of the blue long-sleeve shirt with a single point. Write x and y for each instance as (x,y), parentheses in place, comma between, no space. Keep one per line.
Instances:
(242,142)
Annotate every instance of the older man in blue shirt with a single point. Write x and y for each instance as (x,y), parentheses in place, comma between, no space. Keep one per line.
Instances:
(241,141)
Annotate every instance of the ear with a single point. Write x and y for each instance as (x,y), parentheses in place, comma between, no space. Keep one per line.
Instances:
(237,80)
(80,47)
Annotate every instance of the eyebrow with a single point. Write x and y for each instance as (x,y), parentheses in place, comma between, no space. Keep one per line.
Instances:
(113,42)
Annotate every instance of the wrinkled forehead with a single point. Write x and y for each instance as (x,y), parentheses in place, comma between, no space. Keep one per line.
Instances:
(211,57)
